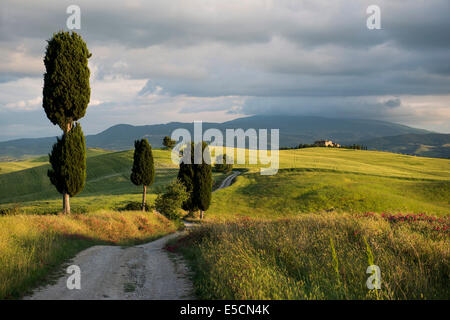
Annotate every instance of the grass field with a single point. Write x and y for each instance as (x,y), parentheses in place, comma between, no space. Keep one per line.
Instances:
(321,179)
(264,236)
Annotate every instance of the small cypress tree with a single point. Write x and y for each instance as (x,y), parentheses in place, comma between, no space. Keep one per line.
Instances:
(68,161)
(168,142)
(143,171)
(203,181)
(66,95)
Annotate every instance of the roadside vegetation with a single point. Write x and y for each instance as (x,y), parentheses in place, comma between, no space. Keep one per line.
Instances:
(170,202)
(34,246)
(319,256)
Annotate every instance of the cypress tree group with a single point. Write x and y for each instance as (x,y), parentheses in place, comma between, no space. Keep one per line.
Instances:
(186,177)
(143,171)
(68,161)
(66,95)
(197,179)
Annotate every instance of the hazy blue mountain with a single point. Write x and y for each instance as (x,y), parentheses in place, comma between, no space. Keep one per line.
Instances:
(22,147)
(293,130)
(427,145)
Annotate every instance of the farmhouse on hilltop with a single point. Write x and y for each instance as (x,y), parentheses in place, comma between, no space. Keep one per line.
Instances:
(326,143)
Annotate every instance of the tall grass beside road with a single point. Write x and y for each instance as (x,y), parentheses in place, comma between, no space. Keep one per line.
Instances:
(319,257)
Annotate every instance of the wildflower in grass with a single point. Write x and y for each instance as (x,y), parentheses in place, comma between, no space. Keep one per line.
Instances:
(437,225)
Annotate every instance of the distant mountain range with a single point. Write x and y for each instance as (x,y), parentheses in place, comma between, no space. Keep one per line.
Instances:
(293,131)
(433,145)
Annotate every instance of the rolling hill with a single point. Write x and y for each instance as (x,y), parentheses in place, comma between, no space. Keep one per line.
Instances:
(309,180)
(293,130)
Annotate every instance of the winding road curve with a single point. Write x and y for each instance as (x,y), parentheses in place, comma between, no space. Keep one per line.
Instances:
(228,180)
(145,271)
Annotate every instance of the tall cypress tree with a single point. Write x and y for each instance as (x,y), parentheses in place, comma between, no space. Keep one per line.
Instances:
(143,171)
(66,95)
(203,181)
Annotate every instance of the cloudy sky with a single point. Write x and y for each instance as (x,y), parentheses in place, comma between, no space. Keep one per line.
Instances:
(215,60)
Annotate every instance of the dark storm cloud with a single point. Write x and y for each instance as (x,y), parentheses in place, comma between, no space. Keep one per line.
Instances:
(292,85)
(415,24)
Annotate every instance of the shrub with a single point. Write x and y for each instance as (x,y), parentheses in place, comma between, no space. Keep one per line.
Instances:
(169,203)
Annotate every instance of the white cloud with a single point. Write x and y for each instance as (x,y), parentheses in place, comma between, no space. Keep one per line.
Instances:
(25,105)
(428,111)
(23,94)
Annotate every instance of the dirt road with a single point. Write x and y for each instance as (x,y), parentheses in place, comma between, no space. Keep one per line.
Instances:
(145,271)
(228,180)
(110,272)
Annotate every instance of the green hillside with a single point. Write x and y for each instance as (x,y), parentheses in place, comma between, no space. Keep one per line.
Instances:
(11,166)
(309,180)
(108,184)
(321,179)
(107,176)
